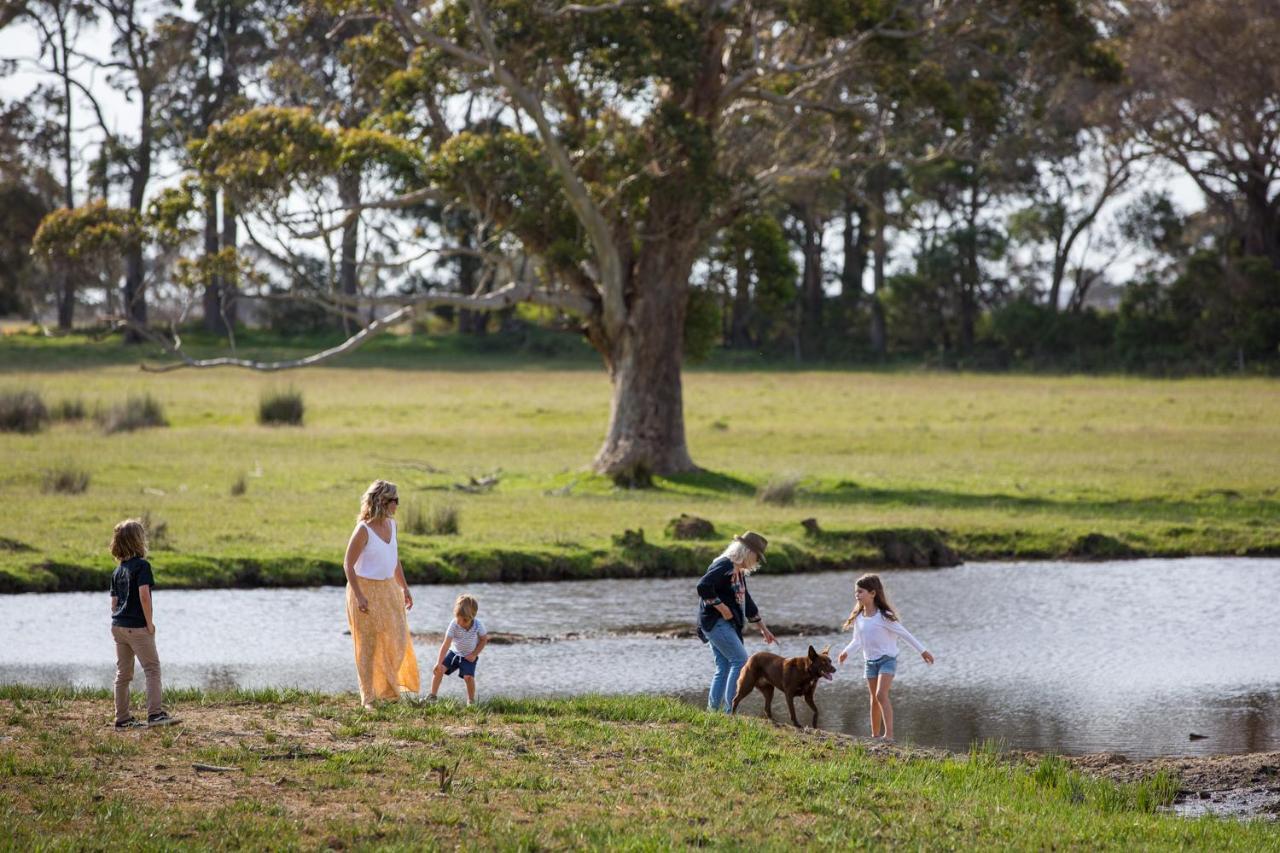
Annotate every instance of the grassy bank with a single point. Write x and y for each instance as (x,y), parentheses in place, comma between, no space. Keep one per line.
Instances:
(307,770)
(895,467)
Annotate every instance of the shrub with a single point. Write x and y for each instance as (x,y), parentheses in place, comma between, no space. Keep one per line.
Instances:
(67,480)
(439,520)
(69,410)
(239,487)
(157,530)
(281,407)
(22,411)
(134,413)
(780,491)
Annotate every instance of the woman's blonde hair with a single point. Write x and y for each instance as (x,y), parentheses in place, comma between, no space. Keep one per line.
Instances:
(129,540)
(871,583)
(374,503)
(466,607)
(738,553)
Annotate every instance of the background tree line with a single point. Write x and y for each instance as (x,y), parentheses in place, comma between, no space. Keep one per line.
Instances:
(978,182)
(1011,177)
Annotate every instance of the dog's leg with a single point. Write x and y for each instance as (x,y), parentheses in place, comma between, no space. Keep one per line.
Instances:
(746,681)
(767,689)
(808,697)
(791,706)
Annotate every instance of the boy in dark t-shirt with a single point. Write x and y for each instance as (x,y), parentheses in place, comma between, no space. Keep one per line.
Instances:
(131,623)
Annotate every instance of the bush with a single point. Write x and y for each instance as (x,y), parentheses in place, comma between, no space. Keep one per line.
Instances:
(69,410)
(67,480)
(239,487)
(157,531)
(134,413)
(22,411)
(780,491)
(435,520)
(281,407)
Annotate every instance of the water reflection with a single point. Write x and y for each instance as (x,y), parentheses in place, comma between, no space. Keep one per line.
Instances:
(1026,658)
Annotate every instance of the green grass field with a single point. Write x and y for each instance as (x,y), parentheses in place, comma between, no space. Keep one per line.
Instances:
(307,771)
(1000,466)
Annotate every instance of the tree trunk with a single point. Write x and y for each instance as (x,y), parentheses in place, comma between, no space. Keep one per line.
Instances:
(855,254)
(811,286)
(740,331)
(66,281)
(135,296)
(349,194)
(66,300)
(213,319)
(646,413)
(230,286)
(879,336)
(470,322)
(1262,224)
(969,271)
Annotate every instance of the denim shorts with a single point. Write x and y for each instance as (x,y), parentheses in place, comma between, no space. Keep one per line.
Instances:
(454,661)
(883,665)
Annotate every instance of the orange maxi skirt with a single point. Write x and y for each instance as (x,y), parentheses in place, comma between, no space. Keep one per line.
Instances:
(385,663)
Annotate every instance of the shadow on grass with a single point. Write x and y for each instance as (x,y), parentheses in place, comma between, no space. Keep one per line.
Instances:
(713,481)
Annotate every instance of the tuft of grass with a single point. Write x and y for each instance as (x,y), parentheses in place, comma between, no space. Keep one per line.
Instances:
(69,410)
(157,530)
(435,520)
(780,491)
(22,411)
(136,412)
(281,407)
(66,480)
(239,487)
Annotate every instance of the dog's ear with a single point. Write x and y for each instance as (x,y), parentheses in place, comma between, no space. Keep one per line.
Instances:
(812,654)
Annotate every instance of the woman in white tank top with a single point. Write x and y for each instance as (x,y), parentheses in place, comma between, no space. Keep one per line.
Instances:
(377,598)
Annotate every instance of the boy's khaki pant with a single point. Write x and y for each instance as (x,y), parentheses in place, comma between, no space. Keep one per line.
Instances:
(142,643)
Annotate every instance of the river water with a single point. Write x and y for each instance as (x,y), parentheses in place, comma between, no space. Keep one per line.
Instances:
(1130,657)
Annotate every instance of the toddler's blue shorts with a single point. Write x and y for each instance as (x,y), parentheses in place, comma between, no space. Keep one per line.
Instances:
(454,661)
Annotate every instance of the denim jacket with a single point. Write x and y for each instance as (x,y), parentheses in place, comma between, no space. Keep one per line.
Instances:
(716,587)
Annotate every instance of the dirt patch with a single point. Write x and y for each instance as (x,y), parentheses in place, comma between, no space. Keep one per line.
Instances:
(1241,786)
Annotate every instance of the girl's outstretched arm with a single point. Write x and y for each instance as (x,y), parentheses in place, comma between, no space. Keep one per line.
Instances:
(854,644)
(899,629)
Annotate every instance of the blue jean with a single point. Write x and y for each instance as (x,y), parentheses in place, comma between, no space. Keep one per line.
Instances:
(730,655)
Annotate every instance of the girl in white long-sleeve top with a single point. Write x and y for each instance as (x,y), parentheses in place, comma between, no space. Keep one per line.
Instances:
(876,630)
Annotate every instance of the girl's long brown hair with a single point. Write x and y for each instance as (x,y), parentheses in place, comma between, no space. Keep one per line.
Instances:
(871,583)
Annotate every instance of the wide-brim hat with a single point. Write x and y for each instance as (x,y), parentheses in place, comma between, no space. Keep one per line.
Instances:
(755,542)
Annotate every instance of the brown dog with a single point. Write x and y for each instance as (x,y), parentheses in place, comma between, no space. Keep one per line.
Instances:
(793,676)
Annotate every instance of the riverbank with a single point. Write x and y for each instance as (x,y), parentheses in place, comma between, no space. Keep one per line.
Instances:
(492,461)
(279,769)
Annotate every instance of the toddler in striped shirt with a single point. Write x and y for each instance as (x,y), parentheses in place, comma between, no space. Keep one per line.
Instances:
(467,636)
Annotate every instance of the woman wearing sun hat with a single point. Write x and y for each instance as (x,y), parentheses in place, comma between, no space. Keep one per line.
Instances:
(724,607)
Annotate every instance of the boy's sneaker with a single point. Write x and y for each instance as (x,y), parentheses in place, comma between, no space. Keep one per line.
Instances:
(130,723)
(161,719)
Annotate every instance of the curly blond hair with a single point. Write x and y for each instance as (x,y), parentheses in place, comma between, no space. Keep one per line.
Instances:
(374,503)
